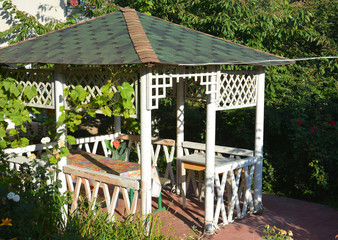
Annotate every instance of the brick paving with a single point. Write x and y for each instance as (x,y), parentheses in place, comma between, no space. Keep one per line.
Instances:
(305,219)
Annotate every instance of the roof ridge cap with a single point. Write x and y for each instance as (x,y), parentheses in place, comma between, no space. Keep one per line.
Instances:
(138,37)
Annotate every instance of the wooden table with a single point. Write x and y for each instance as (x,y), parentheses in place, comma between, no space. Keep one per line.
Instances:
(117,167)
(225,166)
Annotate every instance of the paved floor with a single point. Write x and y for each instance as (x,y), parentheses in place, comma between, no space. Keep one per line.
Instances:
(306,220)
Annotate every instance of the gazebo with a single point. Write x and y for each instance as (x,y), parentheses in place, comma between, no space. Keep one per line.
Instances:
(166,59)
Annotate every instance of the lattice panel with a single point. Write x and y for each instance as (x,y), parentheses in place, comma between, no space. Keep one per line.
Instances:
(162,81)
(41,79)
(236,90)
(92,79)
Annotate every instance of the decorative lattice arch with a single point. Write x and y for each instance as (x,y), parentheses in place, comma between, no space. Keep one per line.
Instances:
(234,89)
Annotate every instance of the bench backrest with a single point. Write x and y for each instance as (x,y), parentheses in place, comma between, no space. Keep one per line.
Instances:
(200,147)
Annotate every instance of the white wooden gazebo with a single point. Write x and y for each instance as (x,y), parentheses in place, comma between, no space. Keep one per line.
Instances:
(166,59)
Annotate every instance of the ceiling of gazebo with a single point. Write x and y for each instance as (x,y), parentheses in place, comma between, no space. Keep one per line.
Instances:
(129,37)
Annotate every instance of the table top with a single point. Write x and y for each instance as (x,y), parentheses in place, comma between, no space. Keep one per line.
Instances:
(103,164)
(220,161)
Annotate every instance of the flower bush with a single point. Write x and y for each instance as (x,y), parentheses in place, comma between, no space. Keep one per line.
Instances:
(274,233)
(117,148)
(31,198)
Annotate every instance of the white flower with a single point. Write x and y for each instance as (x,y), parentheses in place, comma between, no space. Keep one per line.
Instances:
(45,140)
(41,163)
(10,195)
(16,198)
(61,143)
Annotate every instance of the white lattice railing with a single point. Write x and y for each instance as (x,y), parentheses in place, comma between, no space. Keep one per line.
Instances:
(18,157)
(86,177)
(233,182)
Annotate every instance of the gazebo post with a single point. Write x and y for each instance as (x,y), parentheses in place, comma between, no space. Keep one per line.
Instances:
(59,101)
(210,156)
(117,124)
(146,146)
(179,128)
(259,133)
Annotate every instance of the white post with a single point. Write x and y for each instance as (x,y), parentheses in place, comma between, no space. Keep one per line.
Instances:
(59,101)
(180,132)
(210,160)
(117,125)
(259,139)
(146,146)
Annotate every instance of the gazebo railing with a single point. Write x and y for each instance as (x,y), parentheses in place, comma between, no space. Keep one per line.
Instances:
(236,181)
(101,180)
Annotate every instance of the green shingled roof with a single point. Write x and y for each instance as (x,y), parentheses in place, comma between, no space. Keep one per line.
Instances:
(108,40)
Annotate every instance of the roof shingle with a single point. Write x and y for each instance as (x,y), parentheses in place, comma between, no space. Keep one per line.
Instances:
(129,37)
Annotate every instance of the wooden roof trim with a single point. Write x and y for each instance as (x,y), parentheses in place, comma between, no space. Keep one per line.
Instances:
(138,37)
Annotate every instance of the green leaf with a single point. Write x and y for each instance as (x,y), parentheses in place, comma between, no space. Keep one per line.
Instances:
(2,133)
(126,91)
(12,132)
(24,142)
(7,85)
(70,139)
(64,152)
(109,146)
(14,90)
(106,111)
(106,88)
(3,144)
(30,92)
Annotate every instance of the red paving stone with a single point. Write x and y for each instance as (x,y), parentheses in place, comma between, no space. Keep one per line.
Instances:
(306,220)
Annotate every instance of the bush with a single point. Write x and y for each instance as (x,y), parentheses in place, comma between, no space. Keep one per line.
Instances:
(301,147)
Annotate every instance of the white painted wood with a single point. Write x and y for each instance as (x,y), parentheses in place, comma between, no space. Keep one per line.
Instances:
(210,156)
(114,200)
(146,147)
(28,150)
(75,195)
(169,170)
(59,102)
(102,177)
(219,149)
(220,207)
(259,139)
(226,166)
(179,128)
(121,184)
